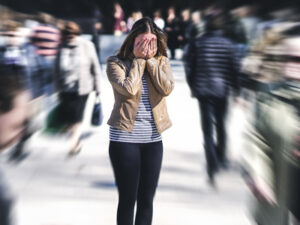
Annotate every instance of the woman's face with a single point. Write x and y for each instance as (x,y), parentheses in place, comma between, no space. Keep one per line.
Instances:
(144,36)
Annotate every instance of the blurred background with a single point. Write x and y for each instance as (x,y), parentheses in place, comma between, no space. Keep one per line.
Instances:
(45,181)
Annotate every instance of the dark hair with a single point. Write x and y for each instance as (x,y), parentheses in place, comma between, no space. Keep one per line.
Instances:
(10,86)
(142,26)
(71,27)
(215,22)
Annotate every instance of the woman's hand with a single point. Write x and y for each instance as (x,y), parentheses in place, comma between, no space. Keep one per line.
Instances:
(140,49)
(152,48)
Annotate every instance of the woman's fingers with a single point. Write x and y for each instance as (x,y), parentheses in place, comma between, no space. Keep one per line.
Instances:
(138,44)
(145,43)
(147,47)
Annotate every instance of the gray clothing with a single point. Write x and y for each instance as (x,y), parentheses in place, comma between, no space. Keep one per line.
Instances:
(88,69)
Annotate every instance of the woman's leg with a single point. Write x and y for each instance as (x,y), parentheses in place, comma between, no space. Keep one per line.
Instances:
(150,168)
(76,109)
(76,131)
(126,162)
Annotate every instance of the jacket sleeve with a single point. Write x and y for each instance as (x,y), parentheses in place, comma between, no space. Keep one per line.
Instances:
(96,70)
(235,70)
(161,75)
(125,85)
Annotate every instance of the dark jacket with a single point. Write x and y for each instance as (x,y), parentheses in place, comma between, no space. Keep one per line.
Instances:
(211,66)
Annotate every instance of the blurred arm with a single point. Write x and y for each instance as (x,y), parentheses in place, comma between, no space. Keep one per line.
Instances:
(235,67)
(96,71)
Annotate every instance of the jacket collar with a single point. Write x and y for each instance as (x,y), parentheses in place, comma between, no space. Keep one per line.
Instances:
(215,33)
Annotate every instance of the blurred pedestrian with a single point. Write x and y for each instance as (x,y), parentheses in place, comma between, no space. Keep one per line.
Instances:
(272,165)
(14,112)
(247,16)
(196,28)
(141,77)
(135,16)
(77,74)
(172,29)
(45,38)
(120,24)
(184,23)
(97,29)
(211,72)
(12,51)
(158,20)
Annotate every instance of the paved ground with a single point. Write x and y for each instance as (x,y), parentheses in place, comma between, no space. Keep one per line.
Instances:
(54,190)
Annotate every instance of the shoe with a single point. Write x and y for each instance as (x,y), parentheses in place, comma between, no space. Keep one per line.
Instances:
(76,150)
(211,172)
(224,164)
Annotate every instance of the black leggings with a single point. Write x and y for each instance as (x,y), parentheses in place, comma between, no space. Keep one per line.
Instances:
(136,168)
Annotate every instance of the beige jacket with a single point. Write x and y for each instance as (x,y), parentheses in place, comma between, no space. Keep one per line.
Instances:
(126,80)
(90,72)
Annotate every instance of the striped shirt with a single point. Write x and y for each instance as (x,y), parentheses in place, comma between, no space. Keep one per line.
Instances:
(46,39)
(144,129)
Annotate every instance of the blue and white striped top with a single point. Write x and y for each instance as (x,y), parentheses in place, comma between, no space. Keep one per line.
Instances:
(144,129)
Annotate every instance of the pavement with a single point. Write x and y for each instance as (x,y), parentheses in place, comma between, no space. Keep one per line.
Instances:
(52,189)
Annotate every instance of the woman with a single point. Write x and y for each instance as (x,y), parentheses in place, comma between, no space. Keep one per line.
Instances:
(141,77)
(78,74)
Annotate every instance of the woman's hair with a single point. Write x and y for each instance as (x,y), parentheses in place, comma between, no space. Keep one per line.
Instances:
(142,26)
(71,27)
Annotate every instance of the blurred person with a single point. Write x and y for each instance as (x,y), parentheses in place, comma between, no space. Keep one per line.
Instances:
(158,20)
(172,29)
(211,73)
(184,23)
(141,77)
(45,40)
(273,164)
(135,16)
(13,106)
(98,28)
(120,24)
(12,51)
(292,154)
(196,28)
(16,56)
(235,30)
(14,112)
(77,74)
(249,21)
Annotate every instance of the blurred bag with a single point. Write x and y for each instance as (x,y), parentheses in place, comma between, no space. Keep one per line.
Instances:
(97,116)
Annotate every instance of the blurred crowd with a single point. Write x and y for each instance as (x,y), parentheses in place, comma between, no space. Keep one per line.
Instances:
(237,52)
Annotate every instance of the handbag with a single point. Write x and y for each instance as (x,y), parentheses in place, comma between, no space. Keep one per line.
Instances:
(97,116)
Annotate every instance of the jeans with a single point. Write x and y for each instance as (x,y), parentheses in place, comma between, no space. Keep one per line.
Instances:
(136,169)
(214,111)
